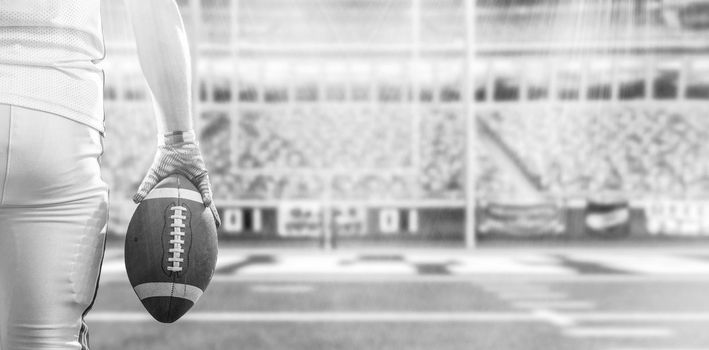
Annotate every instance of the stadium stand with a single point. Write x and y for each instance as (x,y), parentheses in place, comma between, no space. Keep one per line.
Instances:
(317,138)
(443,153)
(637,149)
(279,155)
(368,153)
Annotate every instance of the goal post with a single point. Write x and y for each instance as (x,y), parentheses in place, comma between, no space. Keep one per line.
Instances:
(471,132)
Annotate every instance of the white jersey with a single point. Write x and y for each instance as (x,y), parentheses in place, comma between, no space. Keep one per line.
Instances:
(48,55)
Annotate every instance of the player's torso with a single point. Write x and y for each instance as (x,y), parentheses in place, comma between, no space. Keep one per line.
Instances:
(50,32)
(48,55)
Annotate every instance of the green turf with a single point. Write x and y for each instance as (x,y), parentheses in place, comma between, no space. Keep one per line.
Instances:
(403,296)
(231,296)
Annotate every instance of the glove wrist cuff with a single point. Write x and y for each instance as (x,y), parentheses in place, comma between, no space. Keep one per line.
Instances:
(176,137)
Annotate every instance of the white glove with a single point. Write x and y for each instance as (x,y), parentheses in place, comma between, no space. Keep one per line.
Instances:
(179,154)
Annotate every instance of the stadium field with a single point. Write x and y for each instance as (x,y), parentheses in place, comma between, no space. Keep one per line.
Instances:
(586,299)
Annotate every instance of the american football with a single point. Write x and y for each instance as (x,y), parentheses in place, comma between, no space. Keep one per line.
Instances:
(171,249)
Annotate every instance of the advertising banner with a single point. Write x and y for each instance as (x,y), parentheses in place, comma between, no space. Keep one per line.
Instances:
(521,220)
(677,217)
(607,218)
(300,220)
(349,221)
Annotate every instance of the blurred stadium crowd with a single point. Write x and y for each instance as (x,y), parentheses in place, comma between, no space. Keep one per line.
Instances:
(304,154)
(362,154)
(637,150)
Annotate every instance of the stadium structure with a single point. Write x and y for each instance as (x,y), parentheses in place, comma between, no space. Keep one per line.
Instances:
(448,122)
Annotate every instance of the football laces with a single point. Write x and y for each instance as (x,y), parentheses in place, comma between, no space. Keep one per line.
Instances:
(177,251)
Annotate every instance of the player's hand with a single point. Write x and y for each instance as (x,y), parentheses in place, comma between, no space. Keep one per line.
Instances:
(182,158)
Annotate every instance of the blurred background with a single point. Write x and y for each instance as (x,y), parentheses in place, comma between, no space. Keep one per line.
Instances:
(424,120)
(564,139)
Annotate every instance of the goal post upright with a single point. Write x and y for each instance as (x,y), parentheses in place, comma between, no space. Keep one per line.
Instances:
(415,90)
(234,83)
(471,137)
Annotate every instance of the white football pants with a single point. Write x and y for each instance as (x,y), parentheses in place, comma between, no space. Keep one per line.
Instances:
(53,214)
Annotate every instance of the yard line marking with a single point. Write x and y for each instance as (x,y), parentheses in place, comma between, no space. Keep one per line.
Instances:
(521,286)
(554,318)
(555,304)
(388,277)
(541,315)
(656,349)
(517,288)
(364,317)
(478,280)
(618,332)
(532,296)
(642,317)
(282,289)
(329,267)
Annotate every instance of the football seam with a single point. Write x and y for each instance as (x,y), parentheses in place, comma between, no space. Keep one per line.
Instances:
(172,286)
(169,305)
(172,289)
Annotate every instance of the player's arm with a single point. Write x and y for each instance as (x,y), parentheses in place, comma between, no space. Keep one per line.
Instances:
(164,57)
